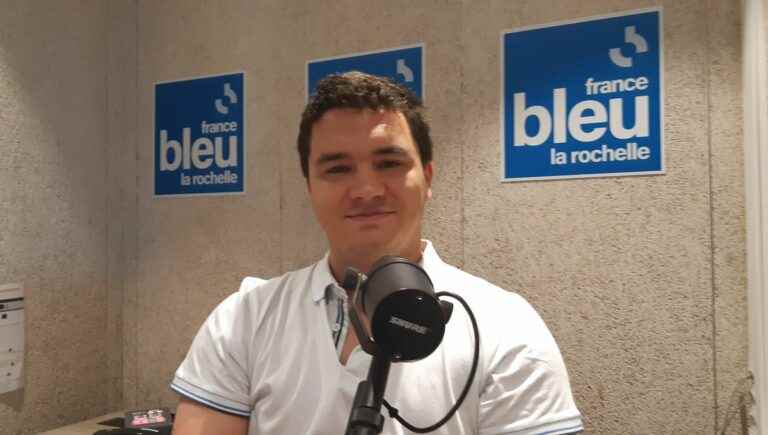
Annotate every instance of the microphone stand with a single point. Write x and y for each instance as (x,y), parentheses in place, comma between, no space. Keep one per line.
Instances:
(365,417)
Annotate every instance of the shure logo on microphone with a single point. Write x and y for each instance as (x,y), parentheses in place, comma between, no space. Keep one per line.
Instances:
(408,325)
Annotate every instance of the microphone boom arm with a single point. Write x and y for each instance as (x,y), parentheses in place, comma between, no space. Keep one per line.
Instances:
(365,416)
(353,280)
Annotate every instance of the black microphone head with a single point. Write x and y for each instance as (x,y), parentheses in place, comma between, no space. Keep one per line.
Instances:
(407,321)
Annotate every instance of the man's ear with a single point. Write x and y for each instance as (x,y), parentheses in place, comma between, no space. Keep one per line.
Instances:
(428,172)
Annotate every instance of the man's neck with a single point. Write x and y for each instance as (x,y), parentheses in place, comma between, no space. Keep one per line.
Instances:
(363,262)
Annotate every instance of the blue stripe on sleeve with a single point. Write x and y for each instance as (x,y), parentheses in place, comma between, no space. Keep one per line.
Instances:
(208,402)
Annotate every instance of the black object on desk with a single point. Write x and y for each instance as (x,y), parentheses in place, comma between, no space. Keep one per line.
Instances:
(144,421)
(155,418)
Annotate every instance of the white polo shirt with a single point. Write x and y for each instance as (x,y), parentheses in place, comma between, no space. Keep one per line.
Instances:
(266,353)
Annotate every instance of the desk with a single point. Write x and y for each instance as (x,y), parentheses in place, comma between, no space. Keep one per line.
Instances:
(87,427)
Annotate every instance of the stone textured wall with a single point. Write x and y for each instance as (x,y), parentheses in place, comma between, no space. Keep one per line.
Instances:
(57,231)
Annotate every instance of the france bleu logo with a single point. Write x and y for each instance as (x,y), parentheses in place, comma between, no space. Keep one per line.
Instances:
(403,65)
(199,136)
(583,99)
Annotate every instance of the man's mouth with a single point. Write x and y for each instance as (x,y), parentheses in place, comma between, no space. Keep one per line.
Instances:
(369,215)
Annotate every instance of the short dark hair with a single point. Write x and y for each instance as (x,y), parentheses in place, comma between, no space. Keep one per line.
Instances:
(356,90)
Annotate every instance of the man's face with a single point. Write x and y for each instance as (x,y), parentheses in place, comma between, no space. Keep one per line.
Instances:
(367,184)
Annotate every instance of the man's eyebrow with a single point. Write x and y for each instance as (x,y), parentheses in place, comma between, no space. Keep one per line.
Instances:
(383,151)
(330,157)
(390,150)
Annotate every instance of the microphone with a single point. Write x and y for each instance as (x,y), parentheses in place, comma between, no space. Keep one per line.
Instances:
(407,320)
(407,323)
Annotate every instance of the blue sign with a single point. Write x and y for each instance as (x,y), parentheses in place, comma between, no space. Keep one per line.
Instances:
(584,99)
(199,136)
(402,65)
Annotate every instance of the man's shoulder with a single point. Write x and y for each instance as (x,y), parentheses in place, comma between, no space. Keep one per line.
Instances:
(289,288)
(258,298)
(451,278)
(252,284)
(494,304)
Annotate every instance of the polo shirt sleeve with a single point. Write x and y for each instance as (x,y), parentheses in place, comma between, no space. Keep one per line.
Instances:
(213,372)
(527,390)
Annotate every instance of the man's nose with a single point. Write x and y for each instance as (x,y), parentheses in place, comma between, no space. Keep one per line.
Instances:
(366,185)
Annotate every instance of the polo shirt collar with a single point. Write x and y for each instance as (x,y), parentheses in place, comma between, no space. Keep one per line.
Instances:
(322,276)
(430,261)
(321,279)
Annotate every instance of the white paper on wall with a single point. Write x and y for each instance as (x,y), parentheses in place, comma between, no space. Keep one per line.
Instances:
(11,337)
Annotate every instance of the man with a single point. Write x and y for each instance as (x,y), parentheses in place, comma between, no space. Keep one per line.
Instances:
(280,358)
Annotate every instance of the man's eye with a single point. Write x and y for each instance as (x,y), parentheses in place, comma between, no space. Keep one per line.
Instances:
(338,169)
(387,164)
